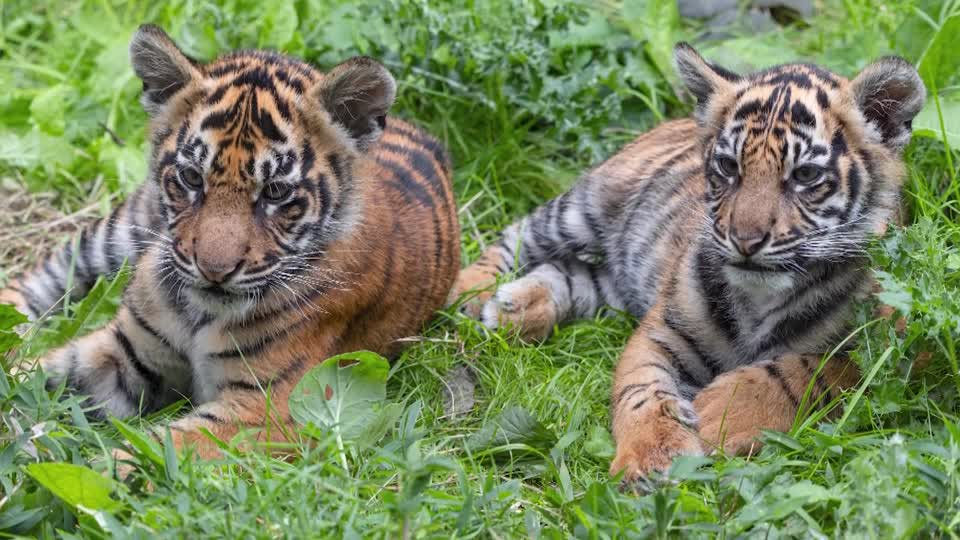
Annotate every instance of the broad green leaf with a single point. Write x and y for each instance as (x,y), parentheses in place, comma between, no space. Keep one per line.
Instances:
(927,123)
(74,484)
(940,62)
(600,443)
(347,398)
(515,425)
(48,110)
(10,318)
(655,22)
(278,24)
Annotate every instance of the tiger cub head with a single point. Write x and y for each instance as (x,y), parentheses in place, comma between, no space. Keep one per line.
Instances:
(253,155)
(802,165)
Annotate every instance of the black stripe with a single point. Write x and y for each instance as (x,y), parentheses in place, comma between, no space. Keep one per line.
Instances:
(691,342)
(255,349)
(822,98)
(48,270)
(716,294)
(109,243)
(405,183)
(805,321)
(423,139)
(595,281)
(217,94)
(153,379)
(84,246)
(800,114)
(333,161)
(33,303)
(853,189)
(656,365)
(280,377)
(423,165)
(591,222)
(747,109)
(633,389)
(685,376)
(664,395)
(293,82)
(804,214)
(137,318)
(210,417)
(238,386)
(121,380)
(774,371)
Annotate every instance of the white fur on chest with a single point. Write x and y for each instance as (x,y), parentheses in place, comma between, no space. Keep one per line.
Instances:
(207,372)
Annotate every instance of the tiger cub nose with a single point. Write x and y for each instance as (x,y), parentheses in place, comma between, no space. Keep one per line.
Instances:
(217,271)
(749,244)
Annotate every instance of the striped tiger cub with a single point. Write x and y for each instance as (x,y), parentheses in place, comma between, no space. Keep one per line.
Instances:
(736,237)
(285,219)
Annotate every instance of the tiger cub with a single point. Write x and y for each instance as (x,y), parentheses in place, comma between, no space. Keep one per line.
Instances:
(736,237)
(285,219)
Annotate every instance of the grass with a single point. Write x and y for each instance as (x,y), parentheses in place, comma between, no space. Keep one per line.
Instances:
(526,95)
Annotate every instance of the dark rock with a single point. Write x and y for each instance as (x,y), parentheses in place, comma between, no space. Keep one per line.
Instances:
(803,7)
(705,9)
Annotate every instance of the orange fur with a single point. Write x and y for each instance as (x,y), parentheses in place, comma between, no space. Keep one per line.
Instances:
(357,252)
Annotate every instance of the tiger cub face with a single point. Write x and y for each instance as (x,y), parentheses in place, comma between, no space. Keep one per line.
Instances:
(253,155)
(802,165)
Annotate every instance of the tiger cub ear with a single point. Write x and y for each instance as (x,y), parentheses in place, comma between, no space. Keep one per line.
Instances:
(162,67)
(889,93)
(357,95)
(701,78)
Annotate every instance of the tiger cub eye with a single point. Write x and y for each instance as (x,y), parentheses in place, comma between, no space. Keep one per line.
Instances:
(276,191)
(191,178)
(728,166)
(806,174)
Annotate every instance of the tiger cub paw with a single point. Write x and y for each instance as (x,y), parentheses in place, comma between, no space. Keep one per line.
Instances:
(736,406)
(476,286)
(661,432)
(525,306)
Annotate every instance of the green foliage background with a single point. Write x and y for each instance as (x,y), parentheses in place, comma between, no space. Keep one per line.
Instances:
(526,94)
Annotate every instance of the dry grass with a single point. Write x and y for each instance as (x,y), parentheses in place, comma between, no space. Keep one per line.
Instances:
(32,226)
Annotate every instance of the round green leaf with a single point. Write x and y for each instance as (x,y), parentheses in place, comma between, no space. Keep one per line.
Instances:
(343,394)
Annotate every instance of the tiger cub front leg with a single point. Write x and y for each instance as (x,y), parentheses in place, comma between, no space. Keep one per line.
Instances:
(126,367)
(556,230)
(551,293)
(250,387)
(767,395)
(652,421)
